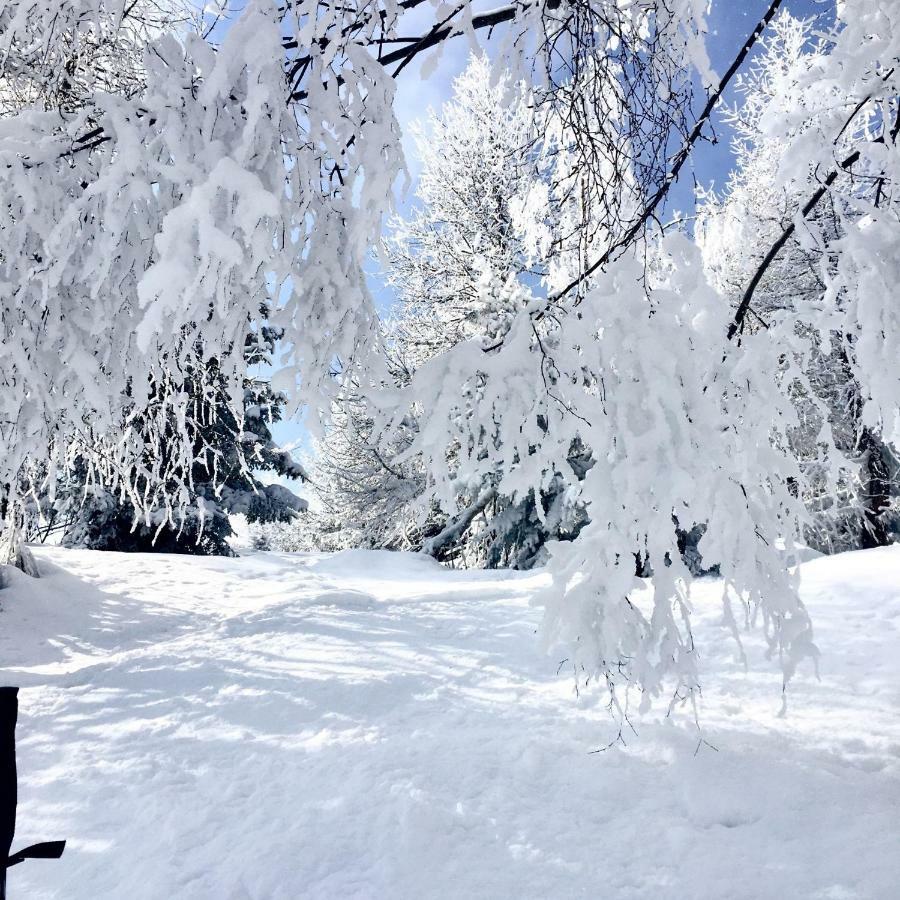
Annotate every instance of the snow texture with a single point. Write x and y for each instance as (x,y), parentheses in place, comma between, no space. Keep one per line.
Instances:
(370,725)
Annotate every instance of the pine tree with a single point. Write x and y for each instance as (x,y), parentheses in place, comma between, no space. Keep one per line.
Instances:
(229,451)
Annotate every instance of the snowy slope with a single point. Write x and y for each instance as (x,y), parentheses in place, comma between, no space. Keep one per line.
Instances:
(368,725)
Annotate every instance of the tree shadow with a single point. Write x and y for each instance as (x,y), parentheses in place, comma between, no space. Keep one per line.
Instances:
(58,618)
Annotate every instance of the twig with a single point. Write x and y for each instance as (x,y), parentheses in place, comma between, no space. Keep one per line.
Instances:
(680,158)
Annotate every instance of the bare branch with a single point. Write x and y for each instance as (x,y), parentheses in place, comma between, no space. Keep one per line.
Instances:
(680,158)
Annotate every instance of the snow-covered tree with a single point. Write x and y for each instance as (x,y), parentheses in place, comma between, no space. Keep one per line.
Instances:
(848,469)
(845,132)
(137,223)
(263,166)
(367,496)
(90,499)
(682,409)
(230,452)
(57,58)
(455,265)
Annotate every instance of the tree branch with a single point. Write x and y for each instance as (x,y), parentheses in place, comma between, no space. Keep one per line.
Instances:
(680,158)
(438,34)
(461,523)
(740,315)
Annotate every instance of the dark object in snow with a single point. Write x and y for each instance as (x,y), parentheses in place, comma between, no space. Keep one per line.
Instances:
(9,709)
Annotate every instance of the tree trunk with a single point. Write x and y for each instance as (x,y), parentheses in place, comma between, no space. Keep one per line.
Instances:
(13,551)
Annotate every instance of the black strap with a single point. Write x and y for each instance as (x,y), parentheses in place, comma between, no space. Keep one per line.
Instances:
(44,850)
(9,711)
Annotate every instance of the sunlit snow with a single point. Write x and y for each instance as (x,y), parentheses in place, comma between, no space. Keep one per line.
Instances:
(370,725)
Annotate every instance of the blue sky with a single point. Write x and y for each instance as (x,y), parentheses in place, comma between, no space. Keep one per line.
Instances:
(730,22)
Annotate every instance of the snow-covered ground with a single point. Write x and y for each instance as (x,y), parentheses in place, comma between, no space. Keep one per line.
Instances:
(371,725)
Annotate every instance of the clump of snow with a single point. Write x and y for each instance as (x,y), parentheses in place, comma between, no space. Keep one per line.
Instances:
(370,725)
(241,538)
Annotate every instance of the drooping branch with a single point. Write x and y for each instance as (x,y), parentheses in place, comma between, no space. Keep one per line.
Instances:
(437,34)
(486,20)
(679,160)
(402,55)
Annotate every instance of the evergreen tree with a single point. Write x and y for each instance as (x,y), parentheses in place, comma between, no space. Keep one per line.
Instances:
(230,449)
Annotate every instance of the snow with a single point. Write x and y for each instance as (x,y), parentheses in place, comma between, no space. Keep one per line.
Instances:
(370,725)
